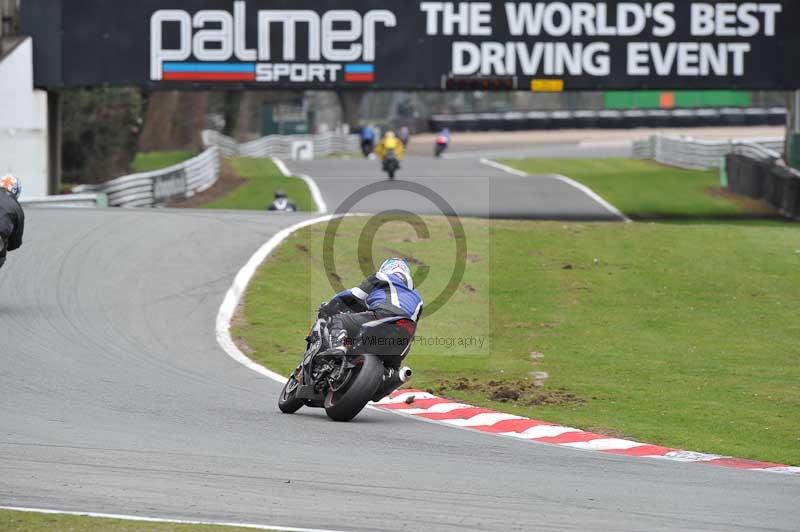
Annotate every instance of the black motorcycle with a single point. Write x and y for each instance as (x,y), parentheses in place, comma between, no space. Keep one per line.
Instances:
(367,146)
(343,383)
(390,163)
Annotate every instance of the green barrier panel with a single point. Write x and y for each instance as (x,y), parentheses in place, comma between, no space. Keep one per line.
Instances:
(793,150)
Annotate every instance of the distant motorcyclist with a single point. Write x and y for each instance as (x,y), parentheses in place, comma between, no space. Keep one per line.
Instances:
(391,151)
(12,218)
(367,136)
(386,294)
(282,203)
(442,142)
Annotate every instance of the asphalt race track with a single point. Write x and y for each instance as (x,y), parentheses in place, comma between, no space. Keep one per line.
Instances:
(469,187)
(115,397)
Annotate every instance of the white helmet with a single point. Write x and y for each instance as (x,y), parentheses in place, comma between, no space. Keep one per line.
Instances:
(398,267)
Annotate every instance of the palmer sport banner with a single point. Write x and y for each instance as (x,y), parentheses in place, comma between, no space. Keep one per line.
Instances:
(405,44)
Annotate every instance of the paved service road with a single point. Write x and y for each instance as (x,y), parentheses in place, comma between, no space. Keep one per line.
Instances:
(114,397)
(469,187)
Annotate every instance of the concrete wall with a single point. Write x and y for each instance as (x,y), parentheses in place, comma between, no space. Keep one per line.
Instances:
(23,121)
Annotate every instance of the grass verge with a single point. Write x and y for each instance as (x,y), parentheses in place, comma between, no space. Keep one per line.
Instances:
(645,189)
(11,520)
(155,160)
(262,180)
(683,335)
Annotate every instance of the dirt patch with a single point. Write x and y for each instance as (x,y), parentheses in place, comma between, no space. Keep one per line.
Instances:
(519,392)
(302,248)
(228,181)
(469,288)
(748,206)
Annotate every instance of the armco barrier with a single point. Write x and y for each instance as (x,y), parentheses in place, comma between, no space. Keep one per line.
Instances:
(67,200)
(610,119)
(765,178)
(148,189)
(686,152)
(281,145)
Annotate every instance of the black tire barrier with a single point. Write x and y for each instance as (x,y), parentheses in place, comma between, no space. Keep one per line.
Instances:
(771,181)
(790,204)
(609,119)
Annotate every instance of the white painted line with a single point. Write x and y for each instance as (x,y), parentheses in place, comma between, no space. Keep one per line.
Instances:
(583,188)
(165,520)
(281,166)
(592,194)
(481,420)
(236,291)
(503,167)
(786,470)
(322,207)
(604,444)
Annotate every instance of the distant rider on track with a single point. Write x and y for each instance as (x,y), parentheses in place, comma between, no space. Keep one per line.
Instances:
(390,142)
(12,219)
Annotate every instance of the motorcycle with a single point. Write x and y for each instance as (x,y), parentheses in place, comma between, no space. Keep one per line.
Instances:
(390,163)
(367,146)
(343,383)
(441,145)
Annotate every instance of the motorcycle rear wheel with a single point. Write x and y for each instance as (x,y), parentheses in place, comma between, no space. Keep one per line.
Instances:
(287,402)
(344,405)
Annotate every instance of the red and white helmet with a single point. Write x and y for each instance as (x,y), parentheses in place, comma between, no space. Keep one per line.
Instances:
(399,267)
(11,185)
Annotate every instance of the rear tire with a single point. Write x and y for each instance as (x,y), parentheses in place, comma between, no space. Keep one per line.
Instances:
(287,402)
(345,405)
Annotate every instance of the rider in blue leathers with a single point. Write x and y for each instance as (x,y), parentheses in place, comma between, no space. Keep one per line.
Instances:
(386,294)
(367,135)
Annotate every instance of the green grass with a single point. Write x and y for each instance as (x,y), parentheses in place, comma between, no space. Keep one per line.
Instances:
(684,335)
(642,189)
(155,160)
(263,179)
(34,522)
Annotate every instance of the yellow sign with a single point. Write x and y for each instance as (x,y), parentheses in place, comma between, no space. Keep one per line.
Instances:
(547,85)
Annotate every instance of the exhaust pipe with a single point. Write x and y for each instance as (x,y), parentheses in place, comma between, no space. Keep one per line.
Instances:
(391,382)
(404,374)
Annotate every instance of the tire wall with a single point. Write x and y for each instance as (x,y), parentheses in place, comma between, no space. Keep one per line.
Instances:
(772,182)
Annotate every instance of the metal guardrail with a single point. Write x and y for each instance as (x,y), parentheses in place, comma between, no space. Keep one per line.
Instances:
(86,200)
(686,152)
(148,189)
(281,145)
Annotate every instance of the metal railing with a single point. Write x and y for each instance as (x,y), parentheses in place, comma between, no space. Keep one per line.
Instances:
(281,145)
(686,152)
(85,200)
(149,189)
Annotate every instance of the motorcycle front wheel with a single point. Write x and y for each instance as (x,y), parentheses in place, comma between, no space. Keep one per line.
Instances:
(287,402)
(345,404)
